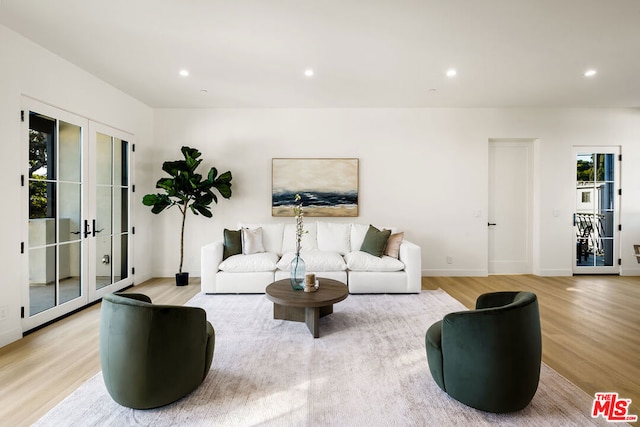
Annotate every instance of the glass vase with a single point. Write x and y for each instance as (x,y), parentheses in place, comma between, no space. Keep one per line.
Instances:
(297,273)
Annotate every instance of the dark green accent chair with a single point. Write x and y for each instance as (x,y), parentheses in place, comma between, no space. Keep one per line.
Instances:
(152,355)
(489,358)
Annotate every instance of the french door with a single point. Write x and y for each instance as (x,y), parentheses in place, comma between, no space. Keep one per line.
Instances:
(596,217)
(78,238)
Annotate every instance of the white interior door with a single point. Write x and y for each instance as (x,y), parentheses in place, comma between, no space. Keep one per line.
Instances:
(510,225)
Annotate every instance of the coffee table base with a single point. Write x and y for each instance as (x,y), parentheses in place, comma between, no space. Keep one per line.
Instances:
(309,315)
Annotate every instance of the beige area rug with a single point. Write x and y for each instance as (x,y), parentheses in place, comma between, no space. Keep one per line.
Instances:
(368,368)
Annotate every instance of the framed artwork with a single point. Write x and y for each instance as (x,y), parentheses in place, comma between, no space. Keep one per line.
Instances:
(328,187)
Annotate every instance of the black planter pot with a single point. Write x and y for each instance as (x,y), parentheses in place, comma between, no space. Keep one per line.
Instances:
(182,279)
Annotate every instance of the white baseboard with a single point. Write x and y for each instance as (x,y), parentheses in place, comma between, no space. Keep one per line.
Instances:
(10,336)
(630,272)
(557,272)
(172,273)
(455,273)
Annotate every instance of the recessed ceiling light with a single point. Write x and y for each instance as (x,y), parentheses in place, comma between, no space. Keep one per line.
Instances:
(309,72)
(451,72)
(184,73)
(590,73)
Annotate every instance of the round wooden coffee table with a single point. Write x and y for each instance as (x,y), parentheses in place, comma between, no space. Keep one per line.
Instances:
(308,307)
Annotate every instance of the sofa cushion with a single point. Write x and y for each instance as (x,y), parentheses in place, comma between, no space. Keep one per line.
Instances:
(358,231)
(315,261)
(232,243)
(334,237)
(309,239)
(252,241)
(393,245)
(265,261)
(375,241)
(362,261)
(271,236)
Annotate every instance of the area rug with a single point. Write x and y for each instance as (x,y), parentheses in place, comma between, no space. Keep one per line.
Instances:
(368,368)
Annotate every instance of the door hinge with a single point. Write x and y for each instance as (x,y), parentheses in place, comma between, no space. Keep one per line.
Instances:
(133,148)
(22,312)
(133,188)
(22,180)
(619,261)
(133,271)
(620,192)
(619,157)
(21,247)
(133,230)
(619,227)
(22,115)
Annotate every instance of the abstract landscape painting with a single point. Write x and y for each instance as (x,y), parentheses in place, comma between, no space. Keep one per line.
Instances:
(328,187)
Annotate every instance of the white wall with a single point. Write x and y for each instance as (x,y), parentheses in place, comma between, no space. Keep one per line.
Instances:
(28,69)
(424,171)
(421,170)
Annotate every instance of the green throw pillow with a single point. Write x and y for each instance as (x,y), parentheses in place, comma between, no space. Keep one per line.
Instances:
(375,241)
(232,243)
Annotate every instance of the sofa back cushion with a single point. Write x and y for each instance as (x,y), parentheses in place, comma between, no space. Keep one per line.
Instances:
(309,239)
(334,237)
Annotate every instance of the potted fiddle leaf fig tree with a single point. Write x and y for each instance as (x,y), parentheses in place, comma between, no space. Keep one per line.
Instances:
(189,191)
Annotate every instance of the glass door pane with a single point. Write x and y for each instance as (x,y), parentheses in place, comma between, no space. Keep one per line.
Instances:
(55,212)
(112,210)
(595,218)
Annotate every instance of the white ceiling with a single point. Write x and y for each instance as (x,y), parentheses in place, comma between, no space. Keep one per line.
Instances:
(365,53)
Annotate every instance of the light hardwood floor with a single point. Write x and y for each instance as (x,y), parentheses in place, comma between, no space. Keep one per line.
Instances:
(41,369)
(590,326)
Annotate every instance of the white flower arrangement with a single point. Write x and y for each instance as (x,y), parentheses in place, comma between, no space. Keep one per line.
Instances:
(299,214)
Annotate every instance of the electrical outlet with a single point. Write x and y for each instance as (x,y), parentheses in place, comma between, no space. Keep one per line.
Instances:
(3,312)
(449,260)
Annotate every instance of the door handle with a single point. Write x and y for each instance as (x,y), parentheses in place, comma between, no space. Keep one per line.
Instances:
(95,228)
(86,228)
(489,224)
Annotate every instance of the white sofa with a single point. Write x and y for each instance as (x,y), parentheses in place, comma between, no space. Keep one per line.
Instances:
(329,249)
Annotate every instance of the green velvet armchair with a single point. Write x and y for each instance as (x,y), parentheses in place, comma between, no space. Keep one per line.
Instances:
(489,358)
(152,355)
